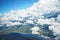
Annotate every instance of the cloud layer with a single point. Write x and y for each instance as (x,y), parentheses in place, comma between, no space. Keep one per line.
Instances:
(38,13)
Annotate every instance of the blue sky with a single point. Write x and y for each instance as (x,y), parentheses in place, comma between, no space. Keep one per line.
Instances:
(7,5)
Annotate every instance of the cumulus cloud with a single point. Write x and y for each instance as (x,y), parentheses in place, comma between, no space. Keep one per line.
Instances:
(46,21)
(55,28)
(48,6)
(35,30)
(38,9)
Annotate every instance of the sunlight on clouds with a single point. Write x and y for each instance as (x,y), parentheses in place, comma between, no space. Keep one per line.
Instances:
(47,6)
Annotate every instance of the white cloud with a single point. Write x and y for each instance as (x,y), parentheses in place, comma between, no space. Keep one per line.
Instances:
(55,28)
(51,27)
(48,5)
(30,21)
(44,6)
(35,30)
(46,21)
(13,24)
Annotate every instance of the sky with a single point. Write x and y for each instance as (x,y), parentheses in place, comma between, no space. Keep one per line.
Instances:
(7,5)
